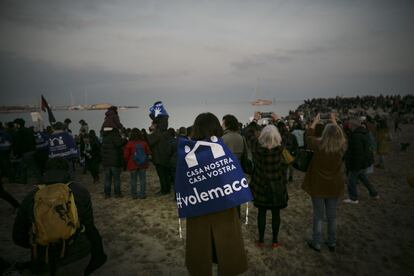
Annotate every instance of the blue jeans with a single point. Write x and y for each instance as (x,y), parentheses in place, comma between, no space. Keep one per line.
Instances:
(353,178)
(115,174)
(141,173)
(319,206)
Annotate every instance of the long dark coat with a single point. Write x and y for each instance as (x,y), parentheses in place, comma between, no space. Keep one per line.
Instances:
(112,149)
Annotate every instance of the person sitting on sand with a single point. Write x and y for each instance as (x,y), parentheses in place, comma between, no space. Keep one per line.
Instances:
(215,237)
(85,242)
(325,178)
(269,179)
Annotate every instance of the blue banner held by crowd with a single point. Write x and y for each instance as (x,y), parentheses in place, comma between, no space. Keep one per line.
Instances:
(62,144)
(209,178)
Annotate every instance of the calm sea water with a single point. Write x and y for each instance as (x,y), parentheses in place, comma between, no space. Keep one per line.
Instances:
(180,115)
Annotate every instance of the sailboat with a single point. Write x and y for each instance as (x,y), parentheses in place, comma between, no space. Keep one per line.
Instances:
(259,101)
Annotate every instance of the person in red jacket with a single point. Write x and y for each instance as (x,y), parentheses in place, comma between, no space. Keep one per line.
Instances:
(134,166)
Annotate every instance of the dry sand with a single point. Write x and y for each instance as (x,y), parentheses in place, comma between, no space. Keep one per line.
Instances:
(141,236)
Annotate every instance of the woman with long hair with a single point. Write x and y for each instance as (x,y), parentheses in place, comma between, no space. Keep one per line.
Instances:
(325,178)
(269,178)
(215,237)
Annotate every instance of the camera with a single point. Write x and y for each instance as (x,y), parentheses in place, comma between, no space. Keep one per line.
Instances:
(266,114)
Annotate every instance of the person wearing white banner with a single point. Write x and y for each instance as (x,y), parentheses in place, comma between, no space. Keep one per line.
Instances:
(215,237)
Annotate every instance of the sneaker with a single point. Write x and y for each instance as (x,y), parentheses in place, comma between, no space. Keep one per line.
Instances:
(313,247)
(276,245)
(259,244)
(331,247)
(350,201)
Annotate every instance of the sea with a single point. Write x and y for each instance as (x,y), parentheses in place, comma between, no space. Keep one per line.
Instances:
(180,114)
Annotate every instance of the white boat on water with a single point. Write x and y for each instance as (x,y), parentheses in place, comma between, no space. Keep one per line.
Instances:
(262,102)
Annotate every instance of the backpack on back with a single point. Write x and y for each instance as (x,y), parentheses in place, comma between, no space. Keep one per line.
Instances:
(139,157)
(55,216)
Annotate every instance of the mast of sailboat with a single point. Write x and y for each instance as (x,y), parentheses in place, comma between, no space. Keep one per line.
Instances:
(258,89)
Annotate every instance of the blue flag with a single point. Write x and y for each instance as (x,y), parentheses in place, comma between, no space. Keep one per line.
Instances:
(157,109)
(208,179)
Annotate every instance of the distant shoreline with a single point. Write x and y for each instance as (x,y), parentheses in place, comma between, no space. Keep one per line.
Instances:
(29,109)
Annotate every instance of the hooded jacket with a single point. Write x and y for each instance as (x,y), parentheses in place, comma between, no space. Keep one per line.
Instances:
(358,156)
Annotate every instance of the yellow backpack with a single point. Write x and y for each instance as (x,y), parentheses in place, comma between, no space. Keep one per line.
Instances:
(55,217)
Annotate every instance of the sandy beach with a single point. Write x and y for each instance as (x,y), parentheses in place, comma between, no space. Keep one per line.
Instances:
(141,237)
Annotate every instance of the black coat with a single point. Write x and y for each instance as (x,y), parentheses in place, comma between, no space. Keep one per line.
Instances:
(160,144)
(23,141)
(358,155)
(112,149)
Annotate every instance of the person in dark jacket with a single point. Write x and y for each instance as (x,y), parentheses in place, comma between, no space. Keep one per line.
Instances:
(91,149)
(42,149)
(325,178)
(269,179)
(112,160)
(159,142)
(24,147)
(84,243)
(358,158)
(5,149)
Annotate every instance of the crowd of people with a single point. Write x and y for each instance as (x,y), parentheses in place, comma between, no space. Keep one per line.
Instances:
(345,146)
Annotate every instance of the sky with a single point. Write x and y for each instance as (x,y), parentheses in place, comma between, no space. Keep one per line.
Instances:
(137,52)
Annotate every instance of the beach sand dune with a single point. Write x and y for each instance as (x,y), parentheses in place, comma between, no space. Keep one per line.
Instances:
(141,237)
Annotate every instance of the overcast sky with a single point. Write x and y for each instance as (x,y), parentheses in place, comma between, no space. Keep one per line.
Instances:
(134,52)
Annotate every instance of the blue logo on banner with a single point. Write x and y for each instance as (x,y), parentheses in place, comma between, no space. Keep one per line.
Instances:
(208,179)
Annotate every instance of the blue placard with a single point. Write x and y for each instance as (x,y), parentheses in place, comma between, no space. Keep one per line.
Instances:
(208,179)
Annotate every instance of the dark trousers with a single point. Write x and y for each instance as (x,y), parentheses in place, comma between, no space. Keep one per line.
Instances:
(28,163)
(164,176)
(93,167)
(261,223)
